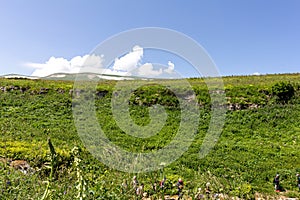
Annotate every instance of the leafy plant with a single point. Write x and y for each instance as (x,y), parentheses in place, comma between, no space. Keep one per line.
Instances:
(53,165)
(81,182)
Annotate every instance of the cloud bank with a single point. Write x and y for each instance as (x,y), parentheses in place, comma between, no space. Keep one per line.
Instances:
(62,65)
(127,65)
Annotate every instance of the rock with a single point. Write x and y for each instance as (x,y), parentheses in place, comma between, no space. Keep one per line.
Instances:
(3,89)
(43,90)
(60,91)
(101,94)
(23,89)
(21,165)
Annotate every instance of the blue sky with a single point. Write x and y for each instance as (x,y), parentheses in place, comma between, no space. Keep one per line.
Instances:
(242,37)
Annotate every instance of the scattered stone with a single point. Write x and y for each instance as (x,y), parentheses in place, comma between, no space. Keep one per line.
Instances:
(60,91)
(101,94)
(71,92)
(23,89)
(3,89)
(32,92)
(190,98)
(75,93)
(44,91)
(21,165)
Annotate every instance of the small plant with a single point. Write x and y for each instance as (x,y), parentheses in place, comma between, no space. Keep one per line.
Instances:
(52,168)
(81,183)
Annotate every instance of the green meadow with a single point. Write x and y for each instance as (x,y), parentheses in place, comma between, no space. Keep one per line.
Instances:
(260,138)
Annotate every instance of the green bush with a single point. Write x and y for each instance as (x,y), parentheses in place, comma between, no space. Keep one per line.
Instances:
(283,91)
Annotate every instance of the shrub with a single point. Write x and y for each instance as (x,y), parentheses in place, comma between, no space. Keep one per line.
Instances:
(283,91)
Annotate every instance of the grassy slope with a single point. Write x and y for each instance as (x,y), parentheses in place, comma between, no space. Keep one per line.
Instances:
(255,143)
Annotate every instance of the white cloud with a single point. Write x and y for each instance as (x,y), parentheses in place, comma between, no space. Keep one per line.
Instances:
(129,61)
(127,65)
(170,68)
(130,64)
(62,65)
(256,73)
(148,70)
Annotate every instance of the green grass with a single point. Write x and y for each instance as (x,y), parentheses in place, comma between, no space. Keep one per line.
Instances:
(261,137)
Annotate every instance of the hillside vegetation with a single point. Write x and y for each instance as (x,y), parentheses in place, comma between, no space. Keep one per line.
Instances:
(261,137)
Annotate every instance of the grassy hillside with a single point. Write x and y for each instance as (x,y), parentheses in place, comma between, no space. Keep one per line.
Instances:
(261,137)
